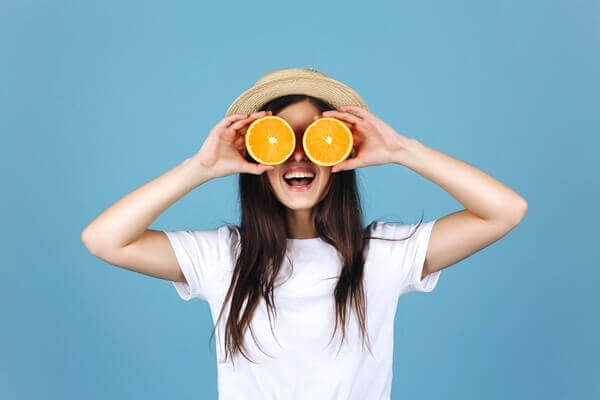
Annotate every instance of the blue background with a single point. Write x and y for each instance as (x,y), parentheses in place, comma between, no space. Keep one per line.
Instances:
(97,98)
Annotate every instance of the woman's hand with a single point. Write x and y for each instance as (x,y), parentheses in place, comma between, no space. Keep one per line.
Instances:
(375,141)
(222,152)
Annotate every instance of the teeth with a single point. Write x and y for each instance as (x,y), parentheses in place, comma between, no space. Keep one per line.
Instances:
(290,175)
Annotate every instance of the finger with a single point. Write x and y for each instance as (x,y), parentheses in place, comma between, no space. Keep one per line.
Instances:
(356,110)
(257,169)
(348,124)
(232,118)
(244,128)
(342,115)
(349,163)
(239,143)
(240,124)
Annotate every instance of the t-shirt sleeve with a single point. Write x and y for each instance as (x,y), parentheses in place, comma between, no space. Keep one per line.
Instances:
(408,256)
(199,255)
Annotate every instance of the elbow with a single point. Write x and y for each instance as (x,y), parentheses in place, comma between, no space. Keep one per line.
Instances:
(519,211)
(90,241)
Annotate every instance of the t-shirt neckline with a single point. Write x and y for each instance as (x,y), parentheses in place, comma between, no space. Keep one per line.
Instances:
(307,240)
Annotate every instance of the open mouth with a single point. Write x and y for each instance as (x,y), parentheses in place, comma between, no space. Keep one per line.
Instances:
(299,181)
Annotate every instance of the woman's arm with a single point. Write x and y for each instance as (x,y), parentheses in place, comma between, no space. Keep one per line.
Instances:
(492,209)
(120,234)
(129,217)
(481,194)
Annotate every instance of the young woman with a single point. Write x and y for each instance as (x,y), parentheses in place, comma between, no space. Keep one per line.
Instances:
(301,290)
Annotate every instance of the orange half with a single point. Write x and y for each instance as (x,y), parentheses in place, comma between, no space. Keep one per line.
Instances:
(270,140)
(327,141)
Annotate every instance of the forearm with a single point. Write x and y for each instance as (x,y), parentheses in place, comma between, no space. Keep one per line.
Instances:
(125,220)
(477,191)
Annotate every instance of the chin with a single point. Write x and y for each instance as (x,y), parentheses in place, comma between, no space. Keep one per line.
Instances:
(298,205)
(299,192)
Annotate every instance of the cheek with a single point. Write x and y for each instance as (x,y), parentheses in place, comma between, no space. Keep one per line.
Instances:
(326,174)
(273,177)
(325,180)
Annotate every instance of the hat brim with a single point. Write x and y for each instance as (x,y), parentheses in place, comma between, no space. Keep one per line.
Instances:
(334,92)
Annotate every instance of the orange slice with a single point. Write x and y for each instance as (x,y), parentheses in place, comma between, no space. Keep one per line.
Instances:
(327,141)
(270,140)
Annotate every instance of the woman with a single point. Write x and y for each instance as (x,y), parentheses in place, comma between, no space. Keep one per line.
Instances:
(301,267)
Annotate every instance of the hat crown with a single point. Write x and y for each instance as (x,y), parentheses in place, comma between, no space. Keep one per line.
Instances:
(286,81)
(290,73)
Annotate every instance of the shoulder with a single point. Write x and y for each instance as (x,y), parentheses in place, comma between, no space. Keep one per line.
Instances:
(385,237)
(213,240)
(221,233)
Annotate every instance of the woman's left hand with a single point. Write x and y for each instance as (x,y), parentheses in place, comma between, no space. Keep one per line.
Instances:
(375,141)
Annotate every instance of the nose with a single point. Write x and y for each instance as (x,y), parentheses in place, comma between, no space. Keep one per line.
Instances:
(298,155)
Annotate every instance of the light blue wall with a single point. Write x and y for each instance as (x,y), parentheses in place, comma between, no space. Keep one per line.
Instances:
(97,98)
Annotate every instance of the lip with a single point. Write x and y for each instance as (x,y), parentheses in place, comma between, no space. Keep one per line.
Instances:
(299,188)
(299,168)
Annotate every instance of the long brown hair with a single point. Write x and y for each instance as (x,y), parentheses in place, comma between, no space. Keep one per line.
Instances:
(261,244)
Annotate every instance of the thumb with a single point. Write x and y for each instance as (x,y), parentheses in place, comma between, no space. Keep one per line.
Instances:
(258,169)
(345,165)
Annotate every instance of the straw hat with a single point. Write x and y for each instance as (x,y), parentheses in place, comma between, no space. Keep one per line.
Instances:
(286,81)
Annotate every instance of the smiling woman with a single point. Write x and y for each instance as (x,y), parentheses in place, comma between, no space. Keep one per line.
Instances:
(296,201)
(299,198)
(301,252)
(301,246)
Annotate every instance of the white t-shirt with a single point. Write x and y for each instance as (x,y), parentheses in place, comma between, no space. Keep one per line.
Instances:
(302,365)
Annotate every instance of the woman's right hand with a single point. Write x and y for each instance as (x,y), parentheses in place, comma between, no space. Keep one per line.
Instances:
(222,153)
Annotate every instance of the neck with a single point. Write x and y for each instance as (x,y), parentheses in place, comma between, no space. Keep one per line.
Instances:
(301,224)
